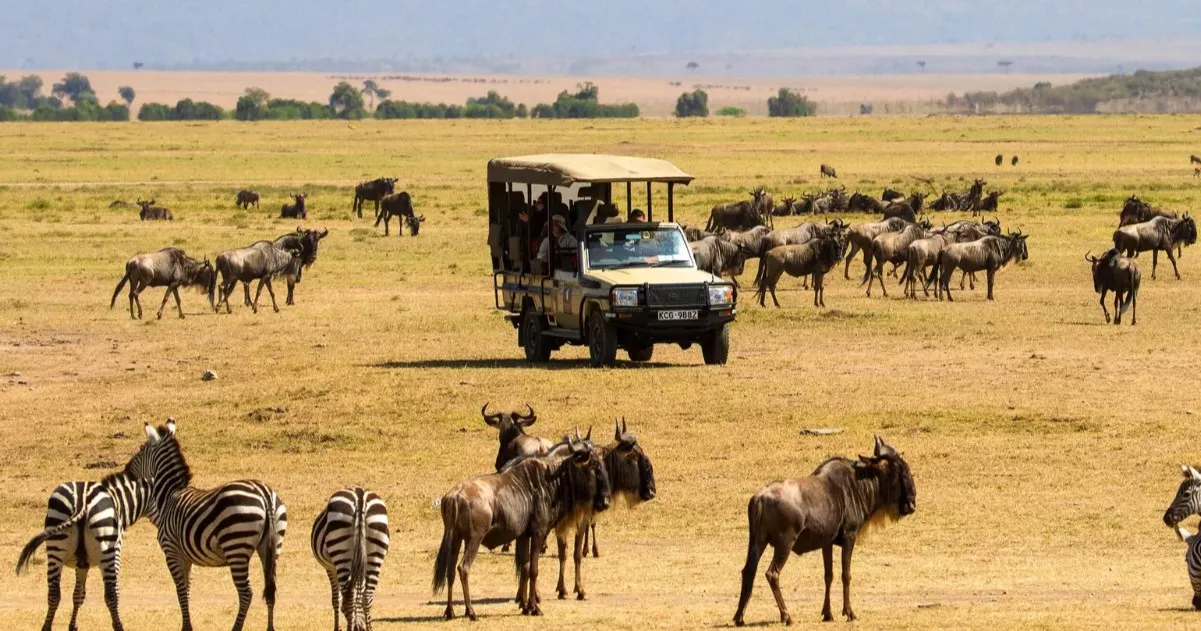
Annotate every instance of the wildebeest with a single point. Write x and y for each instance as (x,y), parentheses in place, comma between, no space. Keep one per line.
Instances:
(1160,233)
(718,257)
(692,233)
(1000,159)
(150,212)
(797,235)
(525,502)
(631,478)
(304,242)
(1116,273)
(414,223)
(400,206)
(1194,159)
(945,202)
(890,195)
(891,247)
(860,238)
(514,442)
(829,508)
(246,199)
(169,267)
(262,261)
(742,215)
(788,208)
(900,209)
(970,199)
(815,258)
(988,254)
(1186,504)
(827,171)
(1135,210)
(864,203)
(372,191)
(989,203)
(295,210)
(923,253)
(1014,161)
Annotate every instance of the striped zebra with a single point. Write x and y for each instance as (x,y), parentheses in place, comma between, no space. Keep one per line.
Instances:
(217,527)
(85,524)
(1187,504)
(350,540)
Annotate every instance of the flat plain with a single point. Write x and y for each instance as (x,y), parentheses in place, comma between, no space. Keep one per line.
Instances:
(1045,444)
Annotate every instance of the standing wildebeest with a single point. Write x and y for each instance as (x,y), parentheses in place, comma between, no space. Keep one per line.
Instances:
(631,477)
(150,212)
(742,215)
(514,442)
(829,508)
(262,261)
(970,199)
(295,210)
(817,257)
(400,206)
(305,243)
(1000,159)
(827,171)
(1014,161)
(1157,234)
(692,233)
(414,222)
(891,247)
(170,268)
(1135,210)
(797,235)
(1186,504)
(246,199)
(525,502)
(923,253)
(860,238)
(373,191)
(988,254)
(718,257)
(1194,159)
(1116,273)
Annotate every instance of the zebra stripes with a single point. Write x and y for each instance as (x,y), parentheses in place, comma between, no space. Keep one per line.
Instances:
(217,527)
(85,525)
(1186,504)
(350,540)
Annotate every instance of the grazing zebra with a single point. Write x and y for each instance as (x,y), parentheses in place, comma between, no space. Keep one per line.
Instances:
(210,528)
(85,524)
(1187,504)
(350,540)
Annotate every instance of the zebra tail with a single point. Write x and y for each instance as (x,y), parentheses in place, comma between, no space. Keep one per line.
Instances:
(358,562)
(269,553)
(40,538)
(118,290)
(442,568)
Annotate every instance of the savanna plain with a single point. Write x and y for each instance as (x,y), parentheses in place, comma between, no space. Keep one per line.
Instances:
(1044,443)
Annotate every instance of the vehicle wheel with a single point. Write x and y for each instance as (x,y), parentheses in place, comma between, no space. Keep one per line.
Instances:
(537,347)
(641,354)
(715,348)
(602,342)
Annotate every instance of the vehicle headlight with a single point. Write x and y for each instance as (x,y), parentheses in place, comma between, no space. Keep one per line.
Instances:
(721,295)
(625,297)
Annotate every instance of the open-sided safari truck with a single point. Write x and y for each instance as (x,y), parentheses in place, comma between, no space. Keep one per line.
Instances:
(601,278)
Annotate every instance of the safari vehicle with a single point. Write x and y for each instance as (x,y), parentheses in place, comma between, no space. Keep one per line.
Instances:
(599,279)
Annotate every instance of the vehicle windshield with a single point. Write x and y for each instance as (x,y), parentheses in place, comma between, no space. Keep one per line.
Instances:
(638,246)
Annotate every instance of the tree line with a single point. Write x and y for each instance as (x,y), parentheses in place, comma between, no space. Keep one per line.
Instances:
(786,103)
(71,99)
(1084,96)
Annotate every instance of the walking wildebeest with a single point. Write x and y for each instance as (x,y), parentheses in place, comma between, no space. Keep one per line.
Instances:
(1157,234)
(965,231)
(304,242)
(827,171)
(246,199)
(988,254)
(169,267)
(514,442)
(742,215)
(1186,504)
(1000,159)
(261,260)
(295,210)
(525,502)
(631,478)
(1136,210)
(816,257)
(891,247)
(860,238)
(718,257)
(400,206)
(829,508)
(797,235)
(920,254)
(1116,273)
(372,191)
(1194,159)
(150,212)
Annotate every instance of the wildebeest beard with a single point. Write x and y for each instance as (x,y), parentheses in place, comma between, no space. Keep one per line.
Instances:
(630,475)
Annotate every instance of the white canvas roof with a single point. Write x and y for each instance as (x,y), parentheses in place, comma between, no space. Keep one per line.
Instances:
(565,169)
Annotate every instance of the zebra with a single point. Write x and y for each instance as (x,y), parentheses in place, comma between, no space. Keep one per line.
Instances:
(217,527)
(350,540)
(85,525)
(1186,504)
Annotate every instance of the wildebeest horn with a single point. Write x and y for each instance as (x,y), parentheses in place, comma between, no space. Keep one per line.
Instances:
(490,419)
(529,417)
(1088,257)
(623,424)
(616,430)
(588,436)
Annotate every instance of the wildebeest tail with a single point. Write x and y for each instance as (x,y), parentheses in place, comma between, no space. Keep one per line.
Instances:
(40,538)
(761,270)
(119,286)
(442,565)
(754,548)
(937,268)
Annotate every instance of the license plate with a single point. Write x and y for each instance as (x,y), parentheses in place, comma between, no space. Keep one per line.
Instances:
(690,314)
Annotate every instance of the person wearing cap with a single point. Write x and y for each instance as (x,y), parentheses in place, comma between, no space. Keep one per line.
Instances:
(564,242)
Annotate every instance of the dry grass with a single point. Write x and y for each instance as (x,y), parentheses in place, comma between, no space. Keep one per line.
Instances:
(1043,443)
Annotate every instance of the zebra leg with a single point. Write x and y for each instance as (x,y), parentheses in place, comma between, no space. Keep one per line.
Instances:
(369,591)
(81,592)
(181,571)
(54,573)
(335,598)
(239,569)
(110,571)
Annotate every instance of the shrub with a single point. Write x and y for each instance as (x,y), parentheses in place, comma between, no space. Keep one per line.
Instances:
(730,110)
(694,103)
(789,103)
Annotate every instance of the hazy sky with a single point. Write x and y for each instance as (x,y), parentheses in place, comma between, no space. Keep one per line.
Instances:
(114,33)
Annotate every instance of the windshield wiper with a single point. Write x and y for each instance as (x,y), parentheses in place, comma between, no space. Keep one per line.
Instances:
(629,264)
(665,263)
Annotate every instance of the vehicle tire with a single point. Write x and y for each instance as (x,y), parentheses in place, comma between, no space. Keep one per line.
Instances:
(537,347)
(602,342)
(641,354)
(715,348)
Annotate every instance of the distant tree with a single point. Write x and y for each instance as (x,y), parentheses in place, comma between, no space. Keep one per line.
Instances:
(694,103)
(521,111)
(115,111)
(371,90)
(137,65)
(73,86)
(383,93)
(252,105)
(789,103)
(1005,63)
(127,94)
(87,96)
(30,87)
(155,112)
(346,101)
(692,65)
(922,64)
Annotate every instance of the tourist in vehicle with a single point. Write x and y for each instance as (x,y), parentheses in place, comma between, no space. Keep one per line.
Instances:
(564,242)
(637,216)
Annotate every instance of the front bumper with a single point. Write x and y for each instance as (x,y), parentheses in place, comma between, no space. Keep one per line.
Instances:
(646,325)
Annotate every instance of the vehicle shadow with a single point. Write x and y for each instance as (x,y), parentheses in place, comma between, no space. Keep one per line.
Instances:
(567,364)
